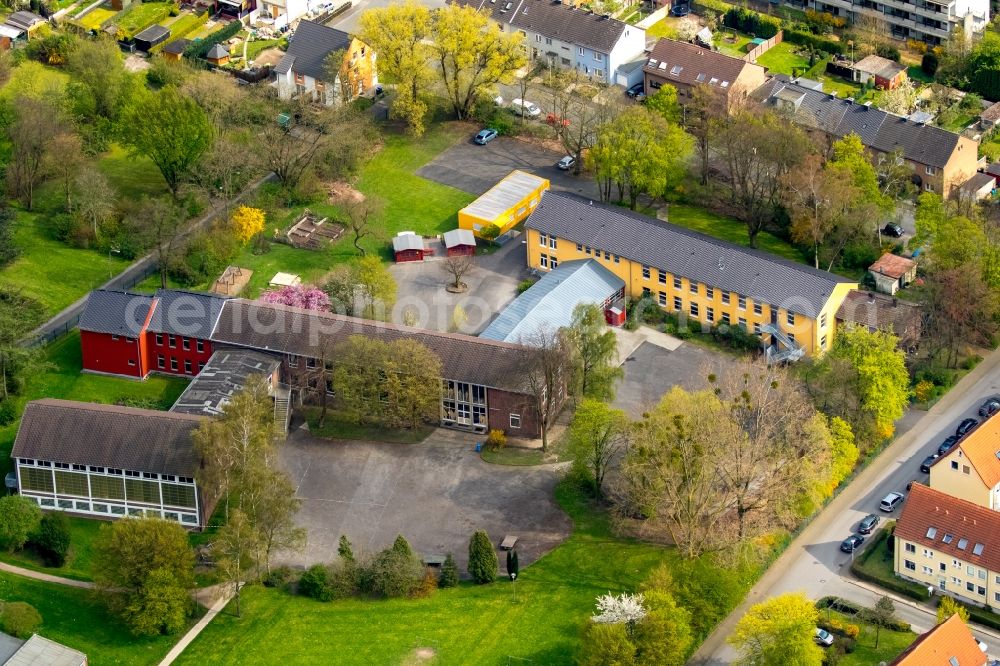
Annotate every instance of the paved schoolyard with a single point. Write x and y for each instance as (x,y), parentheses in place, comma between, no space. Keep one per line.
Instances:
(475,169)
(435,493)
(492,286)
(651,371)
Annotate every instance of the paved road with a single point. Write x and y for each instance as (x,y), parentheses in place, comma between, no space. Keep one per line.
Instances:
(350,20)
(814,563)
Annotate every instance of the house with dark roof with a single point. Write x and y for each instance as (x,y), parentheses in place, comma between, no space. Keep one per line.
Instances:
(971,471)
(949,544)
(152,36)
(304,70)
(109,461)
(174,50)
(225,375)
(882,72)
(941,160)
(562,35)
(135,334)
(687,66)
(691,274)
(950,643)
(878,312)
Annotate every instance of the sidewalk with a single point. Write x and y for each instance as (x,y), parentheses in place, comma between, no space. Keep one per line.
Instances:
(48,578)
(193,632)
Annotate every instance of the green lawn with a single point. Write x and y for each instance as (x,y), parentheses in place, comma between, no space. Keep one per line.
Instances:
(255,47)
(52,272)
(62,379)
(465,625)
(728,229)
(140,16)
(960,122)
(83,532)
(335,427)
(94,19)
(890,643)
(75,618)
(133,177)
(782,59)
(841,86)
(665,27)
(32,79)
(726,45)
(918,75)
(514,456)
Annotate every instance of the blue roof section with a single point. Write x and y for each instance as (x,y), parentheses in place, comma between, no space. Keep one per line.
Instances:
(550,301)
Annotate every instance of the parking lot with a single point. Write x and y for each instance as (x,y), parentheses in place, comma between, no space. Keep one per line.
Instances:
(436,494)
(475,169)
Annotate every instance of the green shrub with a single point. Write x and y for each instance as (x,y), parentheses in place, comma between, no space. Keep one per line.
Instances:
(525,285)
(887,51)
(483,561)
(8,411)
(199,47)
(315,583)
(279,577)
(747,20)
(52,540)
(396,571)
(983,616)
(929,63)
(496,439)
(490,232)
(804,38)
(449,572)
(716,6)
(19,519)
(19,619)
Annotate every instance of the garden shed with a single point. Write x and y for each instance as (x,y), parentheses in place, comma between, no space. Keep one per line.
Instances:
(151,36)
(408,246)
(175,49)
(458,242)
(892,272)
(218,55)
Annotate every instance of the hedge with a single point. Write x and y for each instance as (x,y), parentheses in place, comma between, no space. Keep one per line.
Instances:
(749,21)
(850,608)
(808,39)
(983,617)
(716,6)
(201,20)
(200,47)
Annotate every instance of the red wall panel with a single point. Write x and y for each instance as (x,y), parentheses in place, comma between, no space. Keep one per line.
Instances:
(102,353)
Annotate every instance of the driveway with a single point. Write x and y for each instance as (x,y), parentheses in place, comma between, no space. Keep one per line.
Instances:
(813,562)
(475,169)
(436,494)
(492,286)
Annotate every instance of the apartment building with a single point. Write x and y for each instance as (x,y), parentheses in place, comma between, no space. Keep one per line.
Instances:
(929,21)
(971,471)
(694,275)
(949,544)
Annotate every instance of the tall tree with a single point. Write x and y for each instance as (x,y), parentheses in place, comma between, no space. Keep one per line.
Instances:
(584,118)
(363,217)
(597,436)
(457,267)
(19,314)
(269,504)
(473,55)
(699,117)
(595,354)
(171,130)
(376,286)
(397,33)
(162,222)
(9,249)
(96,65)
(65,159)
(19,519)
(954,321)
(35,122)
(543,373)
(235,546)
(778,631)
(94,198)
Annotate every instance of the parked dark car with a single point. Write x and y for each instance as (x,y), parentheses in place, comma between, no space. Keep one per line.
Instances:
(892,229)
(868,523)
(852,543)
(636,89)
(966,426)
(948,444)
(925,466)
(989,408)
(485,136)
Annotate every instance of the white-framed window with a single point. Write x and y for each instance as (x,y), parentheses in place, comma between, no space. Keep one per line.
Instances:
(662,298)
(599,73)
(538,38)
(172,341)
(200,346)
(543,240)
(930,171)
(743,302)
(186,344)
(742,323)
(131,362)
(645,272)
(678,303)
(187,366)
(790,318)
(543,261)
(293,361)
(617,259)
(709,315)
(677,283)
(548,41)
(553,263)
(583,51)
(725,318)
(928,187)
(693,287)
(694,309)
(552,242)
(725,298)
(599,57)
(927,571)
(173,363)
(756,328)
(710,292)
(661,277)
(161,362)
(912,566)
(822,342)
(822,320)
(758,309)
(159,339)
(515,420)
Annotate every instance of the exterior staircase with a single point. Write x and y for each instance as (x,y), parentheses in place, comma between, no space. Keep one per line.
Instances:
(282,410)
(787,350)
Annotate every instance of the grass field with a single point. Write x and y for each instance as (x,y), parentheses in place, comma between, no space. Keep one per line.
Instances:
(729,229)
(83,532)
(255,47)
(61,378)
(94,19)
(890,643)
(140,16)
(782,59)
(665,27)
(465,625)
(335,427)
(133,177)
(75,618)
(33,79)
(737,48)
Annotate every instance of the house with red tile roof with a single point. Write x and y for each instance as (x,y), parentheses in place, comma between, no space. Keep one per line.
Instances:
(971,471)
(948,644)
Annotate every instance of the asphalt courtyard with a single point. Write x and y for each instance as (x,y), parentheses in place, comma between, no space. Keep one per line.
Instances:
(475,169)
(435,493)
(651,371)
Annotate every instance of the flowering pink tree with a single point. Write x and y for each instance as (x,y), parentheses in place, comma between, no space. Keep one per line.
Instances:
(299,296)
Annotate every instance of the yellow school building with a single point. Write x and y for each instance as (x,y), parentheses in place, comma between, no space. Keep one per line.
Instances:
(506,204)
(790,305)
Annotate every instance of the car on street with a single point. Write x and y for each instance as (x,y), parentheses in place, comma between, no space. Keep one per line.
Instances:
(989,408)
(948,444)
(525,108)
(892,229)
(852,543)
(566,163)
(966,426)
(824,637)
(925,466)
(868,523)
(485,136)
(636,89)
(891,501)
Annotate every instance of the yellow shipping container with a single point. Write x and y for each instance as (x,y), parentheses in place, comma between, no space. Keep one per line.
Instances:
(506,204)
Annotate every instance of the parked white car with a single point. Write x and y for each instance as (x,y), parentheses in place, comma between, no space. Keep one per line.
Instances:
(525,108)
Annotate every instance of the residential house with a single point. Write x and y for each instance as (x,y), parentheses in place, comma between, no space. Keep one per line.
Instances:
(979,186)
(893,272)
(971,471)
(878,312)
(506,204)
(930,22)
(109,461)
(549,303)
(947,644)
(304,70)
(279,13)
(949,544)
(941,160)
(686,66)
(561,35)
(459,242)
(884,74)
(689,273)
(38,651)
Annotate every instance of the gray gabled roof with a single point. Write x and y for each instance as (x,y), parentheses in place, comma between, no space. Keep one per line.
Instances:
(40,651)
(178,46)
(310,46)
(403,242)
(882,131)
(153,33)
(115,312)
(563,22)
(189,313)
(24,19)
(85,433)
(762,277)
(549,303)
(457,237)
(225,374)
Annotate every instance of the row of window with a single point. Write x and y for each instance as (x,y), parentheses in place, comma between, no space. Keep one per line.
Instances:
(185,343)
(161,363)
(104,470)
(81,484)
(105,509)
(548,262)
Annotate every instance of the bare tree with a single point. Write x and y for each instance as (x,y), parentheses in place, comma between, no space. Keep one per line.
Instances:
(704,106)
(290,151)
(162,221)
(94,197)
(577,120)
(35,123)
(64,159)
(458,266)
(362,215)
(544,372)
(226,168)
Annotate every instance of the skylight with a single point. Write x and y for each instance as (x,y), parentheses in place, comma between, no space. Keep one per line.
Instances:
(663,65)
(700,78)
(676,69)
(977,549)
(962,543)
(713,81)
(931,532)
(948,538)
(725,84)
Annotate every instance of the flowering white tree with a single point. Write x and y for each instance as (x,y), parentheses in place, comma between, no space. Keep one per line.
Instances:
(624,609)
